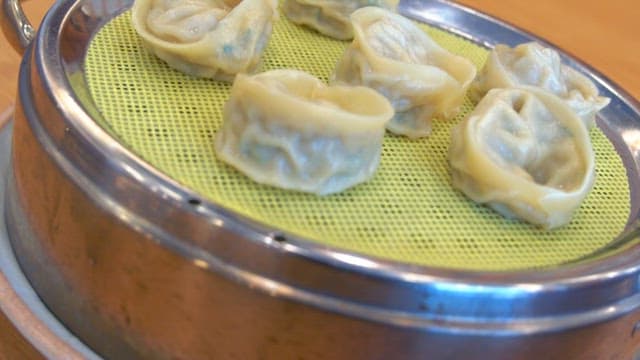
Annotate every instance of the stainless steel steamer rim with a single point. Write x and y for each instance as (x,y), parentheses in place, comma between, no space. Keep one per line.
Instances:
(19,303)
(56,136)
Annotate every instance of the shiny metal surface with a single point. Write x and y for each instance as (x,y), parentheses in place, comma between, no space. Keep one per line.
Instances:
(16,26)
(43,335)
(138,266)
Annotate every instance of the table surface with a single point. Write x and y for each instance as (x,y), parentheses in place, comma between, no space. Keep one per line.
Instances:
(601,33)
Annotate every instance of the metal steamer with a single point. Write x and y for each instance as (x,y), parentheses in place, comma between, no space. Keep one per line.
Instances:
(137,266)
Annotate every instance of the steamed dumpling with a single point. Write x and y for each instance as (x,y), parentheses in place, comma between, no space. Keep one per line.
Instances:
(287,129)
(206,38)
(524,153)
(392,55)
(329,17)
(534,65)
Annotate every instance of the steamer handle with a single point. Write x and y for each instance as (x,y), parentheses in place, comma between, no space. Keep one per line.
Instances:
(15,25)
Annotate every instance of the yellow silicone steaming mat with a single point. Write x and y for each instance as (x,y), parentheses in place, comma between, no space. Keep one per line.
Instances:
(409,212)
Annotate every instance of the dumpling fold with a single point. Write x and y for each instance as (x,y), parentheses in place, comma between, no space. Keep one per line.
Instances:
(206,38)
(330,17)
(524,153)
(287,129)
(531,64)
(394,56)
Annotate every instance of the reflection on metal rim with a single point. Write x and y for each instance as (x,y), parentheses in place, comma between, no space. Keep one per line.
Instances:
(59,64)
(19,302)
(212,241)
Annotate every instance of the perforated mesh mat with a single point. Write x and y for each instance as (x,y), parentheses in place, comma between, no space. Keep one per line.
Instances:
(409,212)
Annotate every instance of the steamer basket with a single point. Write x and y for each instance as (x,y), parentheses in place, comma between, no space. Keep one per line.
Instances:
(137,265)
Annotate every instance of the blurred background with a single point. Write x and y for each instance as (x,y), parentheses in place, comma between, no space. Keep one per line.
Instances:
(603,34)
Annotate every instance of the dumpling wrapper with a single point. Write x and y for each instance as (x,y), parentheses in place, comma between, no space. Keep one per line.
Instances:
(531,64)
(524,153)
(330,17)
(394,56)
(287,129)
(206,38)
